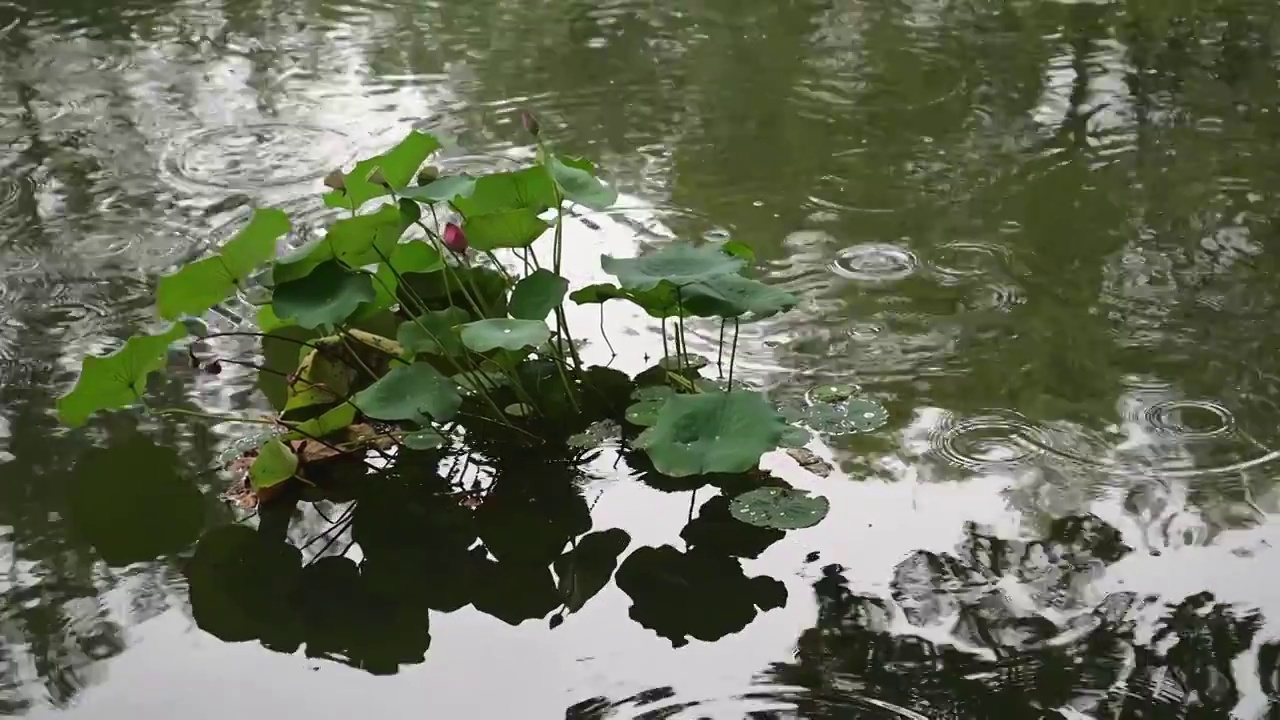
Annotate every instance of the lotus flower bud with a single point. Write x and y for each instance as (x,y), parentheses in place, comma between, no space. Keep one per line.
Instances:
(454,238)
(530,123)
(336,181)
(376,177)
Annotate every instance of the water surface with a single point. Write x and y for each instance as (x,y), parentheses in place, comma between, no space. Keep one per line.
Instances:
(1040,233)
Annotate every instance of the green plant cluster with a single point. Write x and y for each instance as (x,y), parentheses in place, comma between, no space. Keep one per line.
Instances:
(403,319)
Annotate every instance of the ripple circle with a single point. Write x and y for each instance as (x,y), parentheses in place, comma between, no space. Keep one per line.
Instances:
(998,439)
(875,263)
(258,155)
(1191,419)
(968,259)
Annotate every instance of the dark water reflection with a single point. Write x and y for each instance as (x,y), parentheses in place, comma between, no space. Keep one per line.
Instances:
(1041,234)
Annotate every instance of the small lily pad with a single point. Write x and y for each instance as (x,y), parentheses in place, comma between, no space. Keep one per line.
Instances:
(424,439)
(795,437)
(597,433)
(652,392)
(645,413)
(712,433)
(855,416)
(779,508)
(518,410)
(683,362)
(834,393)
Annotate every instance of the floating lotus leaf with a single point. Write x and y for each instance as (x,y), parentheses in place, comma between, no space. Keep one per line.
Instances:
(834,393)
(855,415)
(653,392)
(275,464)
(712,433)
(505,333)
(534,297)
(398,166)
(795,437)
(597,433)
(118,379)
(645,413)
(518,410)
(424,439)
(577,182)
(683,362)
(326,296)
(410,392)
(677,264)
(205,283)
(779,508)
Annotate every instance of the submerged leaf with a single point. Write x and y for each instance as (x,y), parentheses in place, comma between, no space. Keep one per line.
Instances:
(712,433)
(205,283)
(505,333)
(275,464)
(677,264)
(518,410)
(577,182)
(534,297)
(118,379)
(856,415)
(398,167)
(779,508)
(327,296)
(410,392)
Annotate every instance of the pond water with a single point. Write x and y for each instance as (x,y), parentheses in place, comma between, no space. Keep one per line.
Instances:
(1041,234)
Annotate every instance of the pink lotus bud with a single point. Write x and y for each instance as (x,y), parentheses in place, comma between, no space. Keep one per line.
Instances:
(454,238)
(530,123)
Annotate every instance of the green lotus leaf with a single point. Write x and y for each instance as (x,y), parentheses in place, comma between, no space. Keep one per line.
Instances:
(398,167)
(434,332)
(275,464)
(527,189)
(504,333)
(441,189)
(410,392)
(330,422)
(354,242)
(712,433)
(534,297)
(118,379)
(577,182)
(677,264)
(505,229)
(327,296)
(205,283)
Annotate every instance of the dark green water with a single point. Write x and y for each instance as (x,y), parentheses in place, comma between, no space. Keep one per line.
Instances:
(1041,234)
